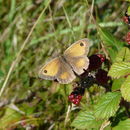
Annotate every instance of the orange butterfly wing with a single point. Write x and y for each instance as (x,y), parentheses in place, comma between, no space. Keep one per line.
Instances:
(76,55)
(57,69)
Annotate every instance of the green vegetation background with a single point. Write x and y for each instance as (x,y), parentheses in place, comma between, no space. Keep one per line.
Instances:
(44,104)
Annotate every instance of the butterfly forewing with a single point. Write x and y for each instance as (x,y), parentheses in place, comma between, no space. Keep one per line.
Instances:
(57,69)
(50,70)
(79,48)
(76,55)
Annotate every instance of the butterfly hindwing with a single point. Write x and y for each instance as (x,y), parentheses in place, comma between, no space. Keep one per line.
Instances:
(79,64)
(65,75)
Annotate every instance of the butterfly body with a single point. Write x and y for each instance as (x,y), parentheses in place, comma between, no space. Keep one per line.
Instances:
(62,68)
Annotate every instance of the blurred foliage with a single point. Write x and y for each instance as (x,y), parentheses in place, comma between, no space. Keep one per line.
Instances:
(40,104)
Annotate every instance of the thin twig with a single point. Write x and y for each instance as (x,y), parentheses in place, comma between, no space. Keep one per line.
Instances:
(91,11)
(105,51)
(14,107)
(51,127)
(19,53)
(105,124)
(67,114)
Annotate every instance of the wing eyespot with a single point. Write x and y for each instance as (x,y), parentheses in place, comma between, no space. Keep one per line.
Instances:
(81,44)
(45,71)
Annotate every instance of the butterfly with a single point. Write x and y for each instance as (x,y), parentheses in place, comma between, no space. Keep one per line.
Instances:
(64,69)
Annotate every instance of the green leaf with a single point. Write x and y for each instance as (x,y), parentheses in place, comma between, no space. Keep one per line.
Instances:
(125,89)
(112,53)
(117,84)
(107,127)
(123,125)
(9,118)
(119,69)
(107,39)
(85,120)
(128,10)
(123,55)
(107,105)
(113,45)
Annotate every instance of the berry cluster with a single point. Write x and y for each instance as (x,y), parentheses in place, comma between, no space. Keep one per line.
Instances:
(127,38)
(101,77)
(126,18)
(88,78)
(102,58)
(95,62)
(75,99)
(76,96)
(87,81)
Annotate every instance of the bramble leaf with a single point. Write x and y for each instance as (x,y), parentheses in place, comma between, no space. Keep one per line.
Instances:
(128,10)
(107,105)
(123,125)
(125,89)
(87,120)
(119,69)
(113,45)
(123,55)
(117,83)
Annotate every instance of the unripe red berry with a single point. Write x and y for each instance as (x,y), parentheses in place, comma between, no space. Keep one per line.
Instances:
(76,95)
(127,38)
(76,103)
(73,100)
(71,97)
(125,19)
(77,100)
(101,57)
(79,97)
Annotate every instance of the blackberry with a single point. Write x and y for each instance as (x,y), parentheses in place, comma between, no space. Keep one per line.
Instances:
(101,77)
(87,82)
(94,62)
(79,90)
